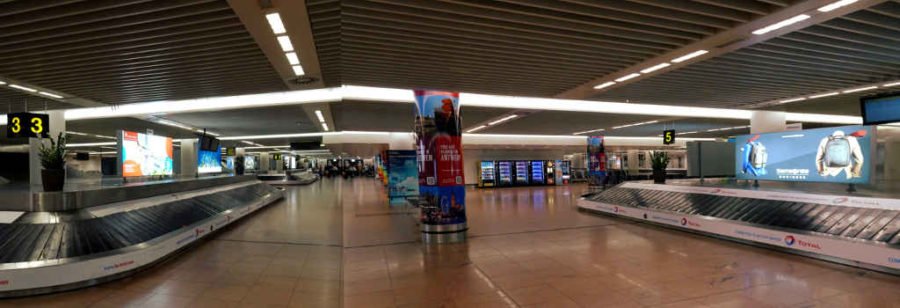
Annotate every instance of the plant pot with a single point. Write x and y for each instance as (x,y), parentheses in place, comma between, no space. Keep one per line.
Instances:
(53,179)
(659,176)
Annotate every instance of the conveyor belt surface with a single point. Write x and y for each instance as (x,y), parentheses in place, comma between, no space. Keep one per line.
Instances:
(82,236)
(879,225)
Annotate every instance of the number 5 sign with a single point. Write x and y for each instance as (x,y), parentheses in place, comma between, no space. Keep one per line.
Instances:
(669,136)
(25,124)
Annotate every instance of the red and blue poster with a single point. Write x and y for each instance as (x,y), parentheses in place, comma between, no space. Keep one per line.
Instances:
(596,160)
(439,156)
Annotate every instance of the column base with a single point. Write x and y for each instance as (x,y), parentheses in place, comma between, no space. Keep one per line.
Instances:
(440,234)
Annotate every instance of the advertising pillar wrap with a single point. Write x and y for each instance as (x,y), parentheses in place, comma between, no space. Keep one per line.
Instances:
(596,160)
(439,156)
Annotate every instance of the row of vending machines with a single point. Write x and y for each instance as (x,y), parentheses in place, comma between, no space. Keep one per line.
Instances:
(523,172)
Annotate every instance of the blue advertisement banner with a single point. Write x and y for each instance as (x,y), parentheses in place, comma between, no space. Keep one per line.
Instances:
(209,161)
(834,154)
(596,154)
(403,175)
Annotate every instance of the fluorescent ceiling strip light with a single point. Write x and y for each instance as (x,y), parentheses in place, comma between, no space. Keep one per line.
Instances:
(626,77)
(23,88)
(320,116)
(690,56)
(292,58)
(103,153)
(655,68)
(476,129)
(325,126)
(504,119)
(285,42)
(2,83)
(793,100)
(276,136)
(891,84)
(50,94)
(782,24)
(824,95)
(589,131)
(860,89)
(269,147)
(298,70)
(275,23)
(836,5)
(822,118)
(604,85)
(90,144)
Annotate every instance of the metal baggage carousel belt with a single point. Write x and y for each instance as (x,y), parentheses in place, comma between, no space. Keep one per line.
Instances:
(879,225)
(24,242)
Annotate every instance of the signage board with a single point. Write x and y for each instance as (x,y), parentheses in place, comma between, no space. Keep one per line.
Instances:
(24,124)
(669,136)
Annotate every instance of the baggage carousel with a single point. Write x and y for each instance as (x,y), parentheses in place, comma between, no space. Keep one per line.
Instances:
(42,252)
(850,229)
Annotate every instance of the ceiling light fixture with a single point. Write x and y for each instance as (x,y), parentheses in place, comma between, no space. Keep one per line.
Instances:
(836,5)
(476,129)
(634,124)
(50,94)
(285,42)
(626,77)
(320,116)
(782,24)
(292,58)
(2,83)
(823,95)
(298,70)
(604,85)
(275,23)
(325,126)
(504,119)
(589,131)
(891,84)
(690,56)
(860,89)
(792,100)
(655,68)
(23,88)
(90,144)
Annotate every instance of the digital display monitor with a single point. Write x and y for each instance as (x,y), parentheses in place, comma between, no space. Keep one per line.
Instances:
(834,154)
(209,161)
(504,169)
(145,155)
(537,171)
(251,163)
(880,109)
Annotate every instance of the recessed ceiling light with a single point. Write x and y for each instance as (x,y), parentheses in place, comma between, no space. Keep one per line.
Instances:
(275,23)
(824,95)
(476,129)
(320,116)
(50,94)
(604,85)
(782,24)
(285,42)
(655,68)
(860,89)
(298,70)
(891,84)
(792,100)
(626,77)
(836,5)
(504,119)
(690,56)
(325,126)
(23,88)
(292,58)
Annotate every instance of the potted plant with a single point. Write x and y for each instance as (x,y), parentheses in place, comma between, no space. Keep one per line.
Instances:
(53,163)
(659,160)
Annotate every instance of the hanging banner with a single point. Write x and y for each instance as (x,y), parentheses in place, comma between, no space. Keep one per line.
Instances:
(403,180)
(439,156)
(596,160)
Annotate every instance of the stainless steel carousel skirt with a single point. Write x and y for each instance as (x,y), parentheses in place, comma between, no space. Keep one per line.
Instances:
(439,234)
(44,252)
(859,231)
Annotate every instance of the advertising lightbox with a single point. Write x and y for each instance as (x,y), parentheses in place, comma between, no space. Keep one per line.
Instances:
(251,163)
(145,155)
(209,161)
(834,154)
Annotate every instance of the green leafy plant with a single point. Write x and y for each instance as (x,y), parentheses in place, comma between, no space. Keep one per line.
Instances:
(659,160)
(53,157)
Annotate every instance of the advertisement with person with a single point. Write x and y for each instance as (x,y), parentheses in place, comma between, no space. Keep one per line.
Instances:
(834,154)
(251,163)
(596,161)
(209,161)
(145,155)
(403,175)
(439,151)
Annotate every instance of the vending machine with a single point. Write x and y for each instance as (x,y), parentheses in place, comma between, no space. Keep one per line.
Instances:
(537,172)
(521,172)
(549,172)
(562,172)
(487,174)
(504,173)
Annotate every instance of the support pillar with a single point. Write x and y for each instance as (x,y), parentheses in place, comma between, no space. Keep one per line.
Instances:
(189,157)
(767,122)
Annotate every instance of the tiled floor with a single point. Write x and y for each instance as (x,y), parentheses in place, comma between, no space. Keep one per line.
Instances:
(336,242)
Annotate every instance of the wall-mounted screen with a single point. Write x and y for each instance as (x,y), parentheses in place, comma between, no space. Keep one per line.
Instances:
(251,163)
(145,155)
(834,154)
(209,161)
(880,109)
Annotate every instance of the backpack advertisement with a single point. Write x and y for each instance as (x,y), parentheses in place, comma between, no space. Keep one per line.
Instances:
(834,154)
